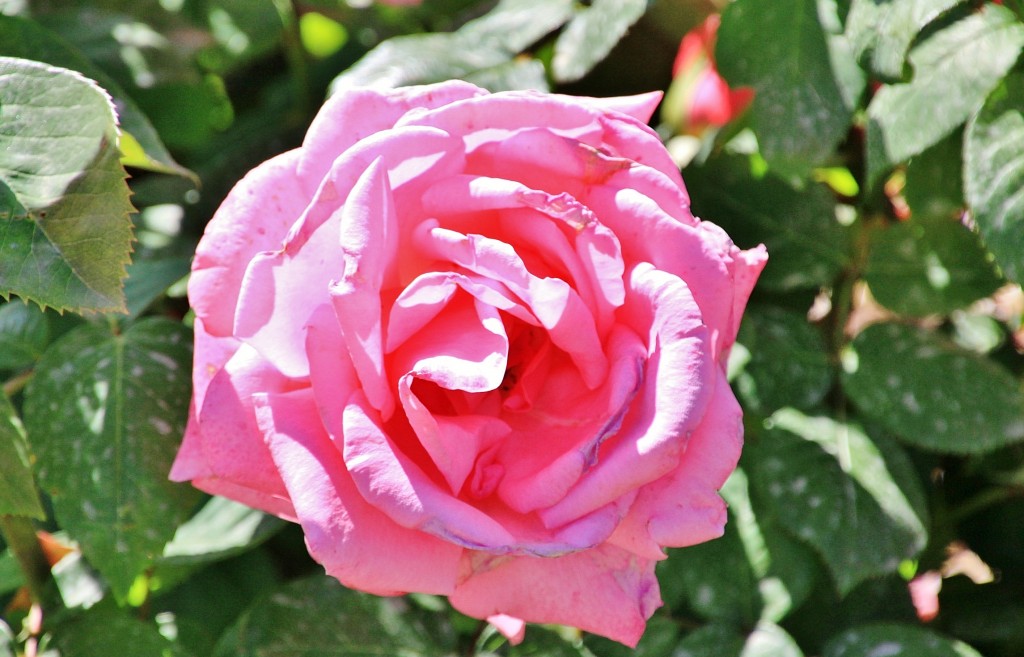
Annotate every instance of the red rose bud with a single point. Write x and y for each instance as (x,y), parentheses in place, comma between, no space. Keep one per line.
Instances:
(699,97)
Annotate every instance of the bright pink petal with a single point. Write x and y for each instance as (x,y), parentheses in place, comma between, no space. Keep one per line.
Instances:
(558,440)
(669,406)
(369,242)
(683,508)
(393,483)
(354,114)
(255,217)
(355,542)
(604,590)
(553,302)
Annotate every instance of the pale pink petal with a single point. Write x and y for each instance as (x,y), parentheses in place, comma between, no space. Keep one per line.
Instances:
(355,542)
(272,504)
(514,629)
(604,590)
(413,157)
(595,266)
(495,117)
(641,106)
(255,216)
(354,114)
(683,508)
(719,275)
(669,406)
(627,137)
(231,442)
(368,246)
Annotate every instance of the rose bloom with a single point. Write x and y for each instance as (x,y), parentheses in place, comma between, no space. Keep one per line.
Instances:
(699,97)
(475,345)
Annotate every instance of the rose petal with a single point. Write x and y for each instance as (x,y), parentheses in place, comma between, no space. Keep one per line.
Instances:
(604,590)
(393,483)
(668,408)
(641,106)
(514,629)
(683,507)
(255,217)
(354,114)
(413,157)
(559,438)
(556,306)
(369,242)
(356,543)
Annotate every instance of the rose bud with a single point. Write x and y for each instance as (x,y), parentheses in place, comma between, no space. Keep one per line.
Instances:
(698,96)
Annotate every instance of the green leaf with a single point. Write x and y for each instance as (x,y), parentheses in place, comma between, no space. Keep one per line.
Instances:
(928,266)
(104,415)
(753,572)
(659,640)
(24,334)
(994,174)
(881,32)
(18,496)
(150,278)
(767,640)
(591,35)
(826,481)
(801,110)
(103,632)
(931,393)
(954,70)
(26,39)
(11,577)
(894,640)
(489,42)
(58,155)
(808,246)
(788,366)
(302,617)
(222,528)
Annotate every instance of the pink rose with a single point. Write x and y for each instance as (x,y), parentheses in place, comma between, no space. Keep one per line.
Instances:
(474,343)
(699,97)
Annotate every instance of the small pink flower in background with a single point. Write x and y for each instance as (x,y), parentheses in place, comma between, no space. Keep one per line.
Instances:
(475,345)
(699,97)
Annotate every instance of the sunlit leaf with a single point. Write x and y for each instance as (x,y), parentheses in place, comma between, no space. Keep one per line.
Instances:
(994,174)
(104,415)
(826,481)
(68,246)
(895,640)
(18,494)
(954,70)
(931,393)
(591,35)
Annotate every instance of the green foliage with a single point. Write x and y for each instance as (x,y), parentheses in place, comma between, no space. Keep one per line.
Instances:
(102,411)
(66,217)
(878,365)
(994,173)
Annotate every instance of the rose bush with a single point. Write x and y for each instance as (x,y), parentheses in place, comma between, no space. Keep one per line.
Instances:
(475,344)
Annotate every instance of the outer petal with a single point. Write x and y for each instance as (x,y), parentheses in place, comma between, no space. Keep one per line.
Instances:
(604,590)
(355,542)
(669,406)
(683,508)
(255,216)
(354,114)
(368,245)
